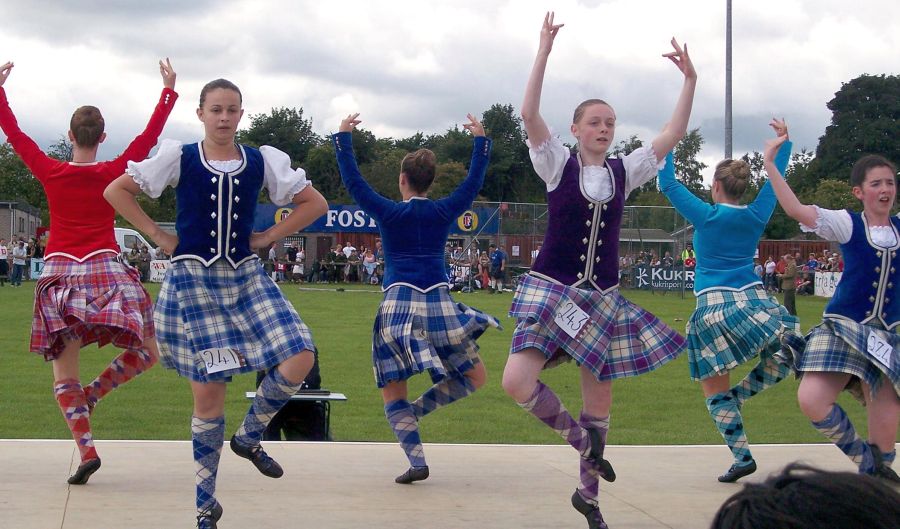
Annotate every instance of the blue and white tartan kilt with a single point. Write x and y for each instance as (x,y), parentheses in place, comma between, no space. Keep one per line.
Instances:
(620,340)
(219,307)
(838,345)
(416,331)
(729,327)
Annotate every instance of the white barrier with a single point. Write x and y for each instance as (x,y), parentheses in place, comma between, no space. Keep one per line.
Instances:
(158,270)
(826,282)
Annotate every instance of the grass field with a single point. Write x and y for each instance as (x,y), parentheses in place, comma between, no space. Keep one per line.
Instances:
(663,407)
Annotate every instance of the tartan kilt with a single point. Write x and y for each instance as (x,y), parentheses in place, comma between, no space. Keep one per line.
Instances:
(219,307)
(728,328)
(97,301)
(620,340)
(838,345)
(417,331)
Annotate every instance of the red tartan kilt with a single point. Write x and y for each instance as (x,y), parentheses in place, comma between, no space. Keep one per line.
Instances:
(97,301)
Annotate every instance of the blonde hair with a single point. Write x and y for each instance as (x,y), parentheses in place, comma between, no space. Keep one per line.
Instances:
(734,176)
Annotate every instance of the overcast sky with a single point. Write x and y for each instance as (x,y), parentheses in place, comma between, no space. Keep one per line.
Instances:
(412,66)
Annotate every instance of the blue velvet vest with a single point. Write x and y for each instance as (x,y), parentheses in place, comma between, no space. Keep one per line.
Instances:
(215,210)
(581,247)
(866,291)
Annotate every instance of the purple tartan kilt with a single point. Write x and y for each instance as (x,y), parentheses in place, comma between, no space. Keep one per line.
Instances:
(839,346)
(98,301)
(219,307)
(620,340)
(419,331)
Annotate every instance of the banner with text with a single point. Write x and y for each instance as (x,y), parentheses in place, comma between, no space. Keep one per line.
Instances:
(826,282)
(352,218)
(663,278)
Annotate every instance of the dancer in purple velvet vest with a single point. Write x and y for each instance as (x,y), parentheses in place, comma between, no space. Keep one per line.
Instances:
(568,307)
(856,347)
(419,327)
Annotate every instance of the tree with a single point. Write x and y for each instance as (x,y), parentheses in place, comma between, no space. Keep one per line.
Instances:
(510,169)
(17,182)
(322,170)
(283,128)
(688,168)
(865,112)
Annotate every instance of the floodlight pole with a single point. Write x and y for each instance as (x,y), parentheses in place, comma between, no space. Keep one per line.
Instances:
(728,125)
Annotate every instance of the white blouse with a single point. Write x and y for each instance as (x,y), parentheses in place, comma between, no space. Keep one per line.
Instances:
(836,225)
(154,174)
(549,159)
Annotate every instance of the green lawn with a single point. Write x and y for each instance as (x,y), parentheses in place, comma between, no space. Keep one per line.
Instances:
(664,407)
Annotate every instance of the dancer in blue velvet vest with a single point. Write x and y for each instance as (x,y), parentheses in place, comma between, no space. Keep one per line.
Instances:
(419,327)
(856,347)
(735,320)
(569,307)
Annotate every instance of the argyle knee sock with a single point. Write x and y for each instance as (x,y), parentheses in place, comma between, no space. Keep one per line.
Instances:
(840,431)
(546,406)
(888,457)
(207,436)
(400,415)
(445,392)
(589,485)
(129,364)
(766,374)
(724,410)
(272,394)
(70,397)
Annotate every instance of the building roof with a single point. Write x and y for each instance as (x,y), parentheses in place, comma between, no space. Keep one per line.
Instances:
(20,205)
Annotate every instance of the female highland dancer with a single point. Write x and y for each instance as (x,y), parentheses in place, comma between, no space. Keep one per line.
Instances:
(85,295)
(569,307)
(218,313)
(856,345)
(418,326)
(735,320)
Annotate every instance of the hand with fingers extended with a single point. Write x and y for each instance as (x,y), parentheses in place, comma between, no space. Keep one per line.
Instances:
(349,123)
(780,128)
(771,147)
(474,126)
(167,73)
(682,60)
(5,71)
(548,33)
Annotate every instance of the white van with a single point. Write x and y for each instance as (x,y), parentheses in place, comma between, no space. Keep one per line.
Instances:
(126,238)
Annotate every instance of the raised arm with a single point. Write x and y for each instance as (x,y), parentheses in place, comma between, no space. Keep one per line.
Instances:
(140,146)
(367,198)
(462,196)
(688,204)
(764,203)
(32,155)
(677,127)
(535,127)
(803,213)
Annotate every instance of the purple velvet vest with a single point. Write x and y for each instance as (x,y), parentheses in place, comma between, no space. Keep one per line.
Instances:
(581,247)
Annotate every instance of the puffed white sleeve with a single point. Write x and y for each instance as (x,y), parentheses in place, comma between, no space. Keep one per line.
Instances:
(831,224)
(281,180)
(549,159)
(641,166)
(159,171)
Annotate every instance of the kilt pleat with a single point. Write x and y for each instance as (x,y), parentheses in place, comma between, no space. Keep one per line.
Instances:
(417,331)
(219,307)
(620,340)
(97,301)
(728,328)
(839,345)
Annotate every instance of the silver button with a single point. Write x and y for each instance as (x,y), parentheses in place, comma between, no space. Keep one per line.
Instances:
(213,214)
(587,223)
(594,278)
(868,313)
(212,197)
(234,216)
(591,206)
(878,253)
(874,284)
(585,240)
(597,260)
(602,224)
(890,285)
(872,299)
(214,180)
(234,235)
(877,269)
(237,199)
(886,301)
(580,275)
(599,242)
(236,181)
(212,250)
(232,250)
(582,258)
(604,207)
(212,233)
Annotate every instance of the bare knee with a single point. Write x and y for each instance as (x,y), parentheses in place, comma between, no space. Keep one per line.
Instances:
(813,404)
(477,375)
(209,399)
(295,368)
